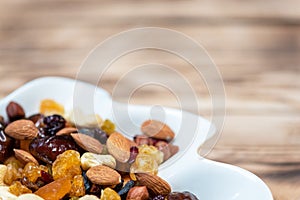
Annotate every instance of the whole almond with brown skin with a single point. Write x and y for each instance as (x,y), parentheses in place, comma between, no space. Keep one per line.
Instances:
(21,129)
(24,156)
(154,183)
(87,142)
(67,131)
(14,111)
(119,147)
(138,193)
(158,130)
(103,175)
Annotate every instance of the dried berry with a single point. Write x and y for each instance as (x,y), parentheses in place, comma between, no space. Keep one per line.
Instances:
(6,147)
(30,185)
(67,165)
(17,189)
(14,111)
(53,123)
(109,194)
(77,189)
(46,177)
(159,197)
(49,107)
(48,148)
(181,196)
(2,127)
(134,151)
(108,126)
(12,174)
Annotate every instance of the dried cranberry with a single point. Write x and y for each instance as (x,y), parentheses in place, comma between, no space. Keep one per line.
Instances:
(134,151)
(46,177)
(48,148)
(53,123)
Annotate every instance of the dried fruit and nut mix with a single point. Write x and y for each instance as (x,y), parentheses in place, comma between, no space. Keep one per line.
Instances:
(48,156)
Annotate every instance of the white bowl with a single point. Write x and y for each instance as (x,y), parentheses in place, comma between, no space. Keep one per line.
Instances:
(186,171)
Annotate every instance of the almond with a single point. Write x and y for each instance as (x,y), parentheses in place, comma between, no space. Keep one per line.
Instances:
(24,156)
(103,175)
(156,184)
(22,130)
(158,130)
(119,147)
(14,111)
(138,193)
(67,131)
(88,143)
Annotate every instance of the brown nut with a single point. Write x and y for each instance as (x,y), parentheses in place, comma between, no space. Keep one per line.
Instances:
(67,131)
(154,183)
(119,147)
(24,156)
(21,129)
(87,142)
(103,175)
(14,111)
(158,130)
(138,193)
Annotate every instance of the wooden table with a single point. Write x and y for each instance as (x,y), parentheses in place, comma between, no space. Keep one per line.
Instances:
(255,44)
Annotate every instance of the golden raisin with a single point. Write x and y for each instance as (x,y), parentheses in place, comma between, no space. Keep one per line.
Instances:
(12,174)
(55,190)
(49,107)
(108,126)
(67,165)
(109,194)
(143,163)
(17,189)
(14,161)
(152,151)
(31,171)
(77,189)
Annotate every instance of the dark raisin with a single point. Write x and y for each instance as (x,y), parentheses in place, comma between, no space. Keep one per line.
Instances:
(46,177)
(159,197)
(25,181)
(123,192)
(2,134)
(53,123)
(14,111)
(181,196)
(134,151)
(6,148)
(95,190)
(48,148)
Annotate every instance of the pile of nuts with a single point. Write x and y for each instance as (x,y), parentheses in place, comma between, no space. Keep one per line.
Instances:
(48,156)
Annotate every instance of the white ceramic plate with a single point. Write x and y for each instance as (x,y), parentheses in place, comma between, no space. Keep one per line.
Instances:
(186,171)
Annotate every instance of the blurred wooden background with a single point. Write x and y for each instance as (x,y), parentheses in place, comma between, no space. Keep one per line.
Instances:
(256,45)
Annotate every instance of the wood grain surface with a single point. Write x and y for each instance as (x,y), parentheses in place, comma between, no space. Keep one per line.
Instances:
(255,44)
